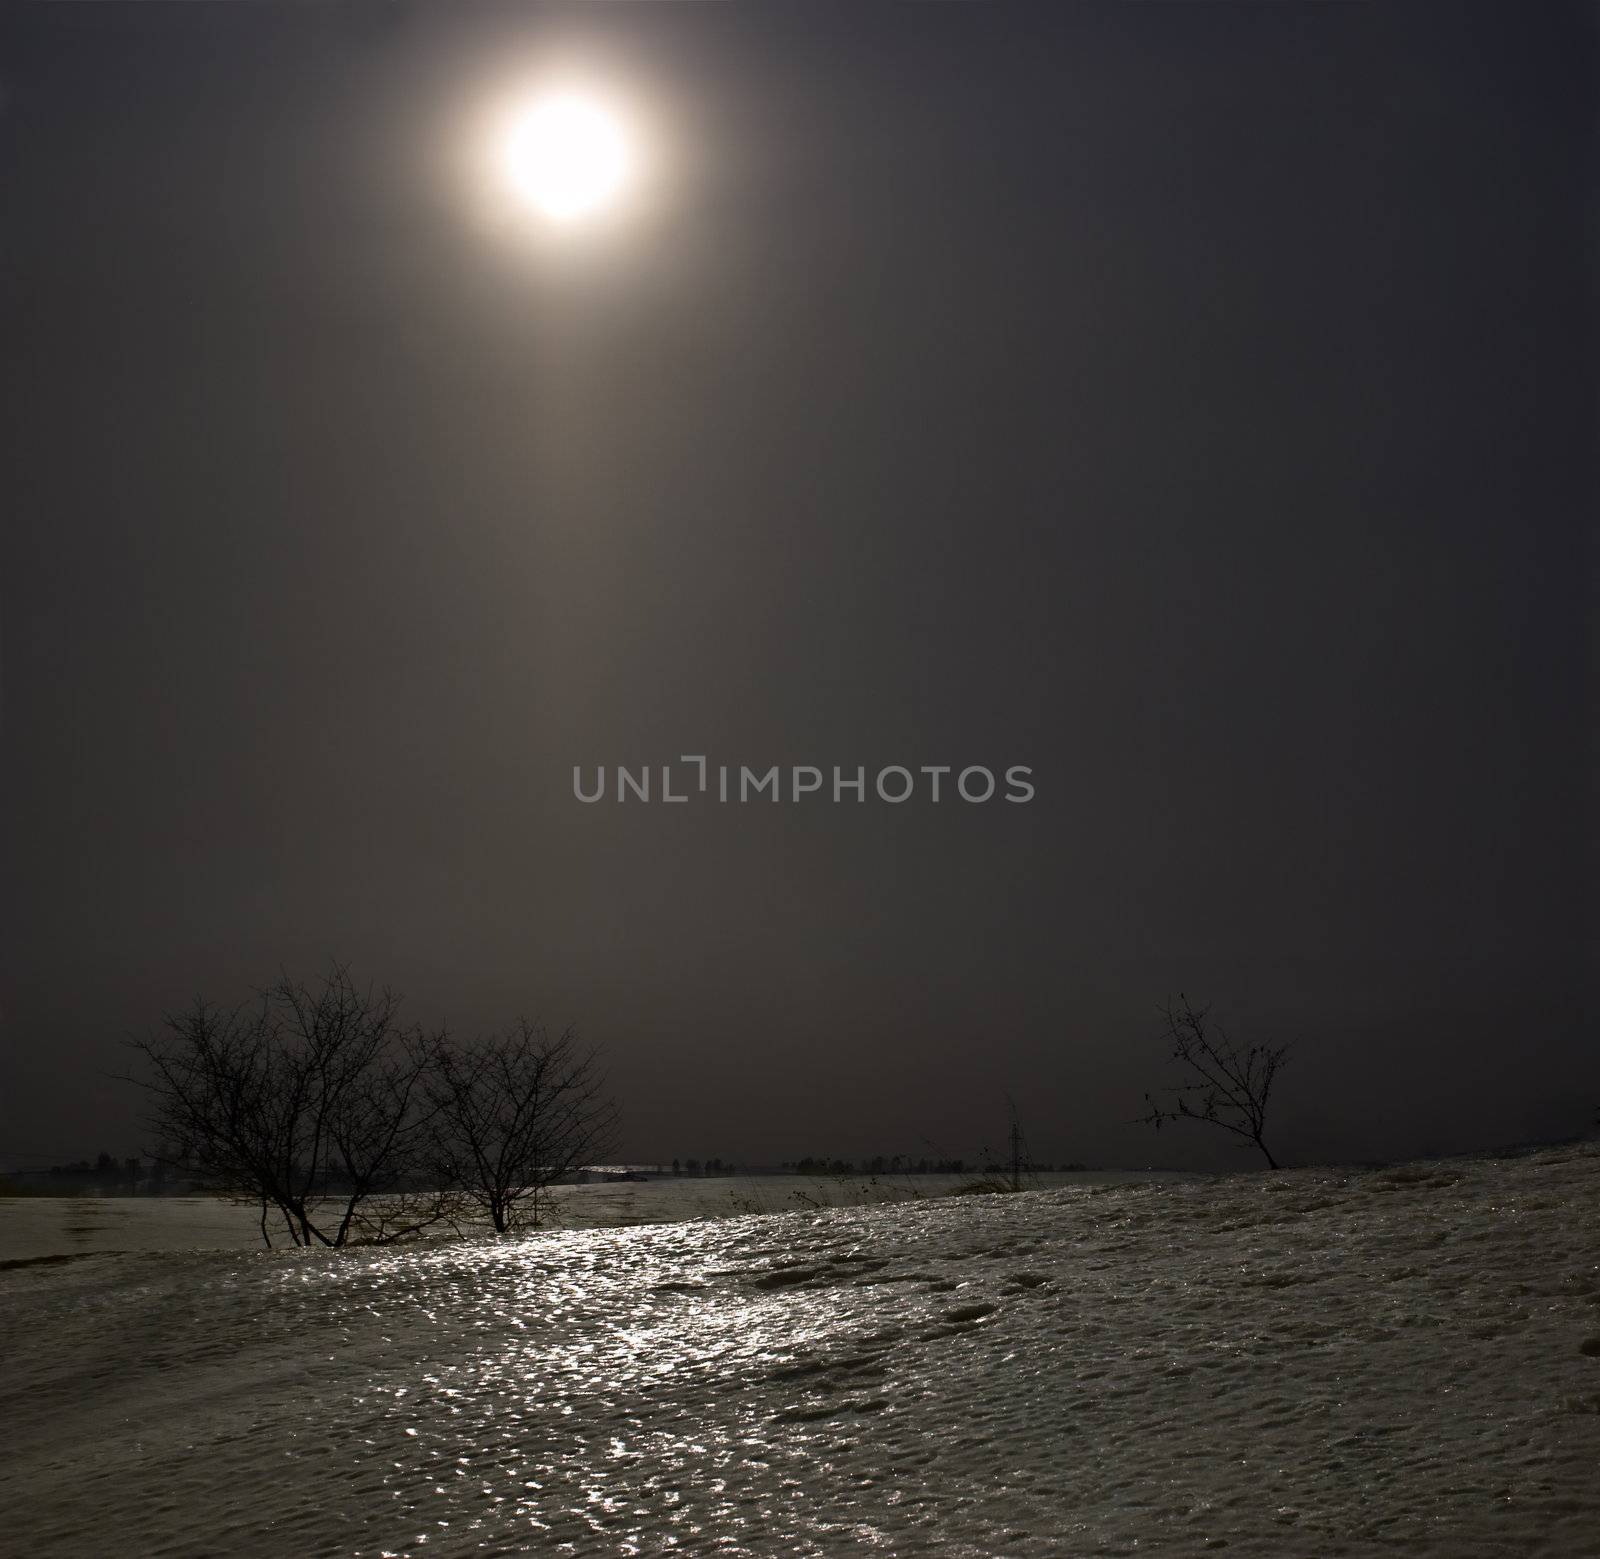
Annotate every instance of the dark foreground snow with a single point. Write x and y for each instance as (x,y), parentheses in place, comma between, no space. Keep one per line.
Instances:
(1316,1363)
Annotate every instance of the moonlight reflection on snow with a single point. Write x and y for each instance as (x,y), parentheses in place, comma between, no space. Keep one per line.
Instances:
(1377,1359)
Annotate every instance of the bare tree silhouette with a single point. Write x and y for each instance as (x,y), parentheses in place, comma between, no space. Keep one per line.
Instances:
(1226,1085)
(308,1100)
(514,1113)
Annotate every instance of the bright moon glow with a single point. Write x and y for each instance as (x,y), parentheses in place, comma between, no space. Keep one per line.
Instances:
(568,156)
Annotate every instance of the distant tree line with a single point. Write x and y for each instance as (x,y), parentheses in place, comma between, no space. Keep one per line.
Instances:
(899,1164)
(881,1164)
(105,1175)
(104,1169)
(343,1122)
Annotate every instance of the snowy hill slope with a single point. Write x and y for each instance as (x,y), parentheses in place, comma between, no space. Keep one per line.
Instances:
(1318,1363)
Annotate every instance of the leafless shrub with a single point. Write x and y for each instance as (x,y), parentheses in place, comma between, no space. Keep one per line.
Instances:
(308,1101)
(1225,1084)
(514,1113)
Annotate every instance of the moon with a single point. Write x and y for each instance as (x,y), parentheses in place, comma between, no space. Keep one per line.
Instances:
(569,156)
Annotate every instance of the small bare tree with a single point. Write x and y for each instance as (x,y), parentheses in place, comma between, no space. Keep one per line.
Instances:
(1225,1084)
(515,1113)
(308,1101)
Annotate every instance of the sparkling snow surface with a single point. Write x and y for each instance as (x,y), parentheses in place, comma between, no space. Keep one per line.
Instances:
(1316,1363)
(35,1226)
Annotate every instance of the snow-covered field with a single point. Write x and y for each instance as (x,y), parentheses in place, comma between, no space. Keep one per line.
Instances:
(1313,1363)
(34,1227)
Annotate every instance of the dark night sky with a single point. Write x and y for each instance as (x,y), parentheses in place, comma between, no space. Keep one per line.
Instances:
(1194,402)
